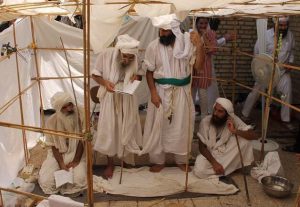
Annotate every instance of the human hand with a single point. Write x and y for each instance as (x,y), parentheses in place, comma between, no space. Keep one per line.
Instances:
(230,36)
(230,125)
(62,166)
(218,168)
(135,77)
(109,86)
(155,99)
(72,164)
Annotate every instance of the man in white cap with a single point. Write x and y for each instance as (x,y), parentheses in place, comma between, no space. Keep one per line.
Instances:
(119,122)
(65,153)
(170,115)
(286,56)
(217,142)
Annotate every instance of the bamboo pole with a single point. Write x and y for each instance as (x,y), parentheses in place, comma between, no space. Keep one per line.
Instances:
(269,96)
(56,78)
(270,90)
(11,101)
(25,147)
(58,49)
(31,195)
(37,74)
(86,59)
(234,61)
(40,130)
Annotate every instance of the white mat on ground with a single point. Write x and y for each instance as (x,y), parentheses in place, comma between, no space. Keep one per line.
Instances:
(140,182)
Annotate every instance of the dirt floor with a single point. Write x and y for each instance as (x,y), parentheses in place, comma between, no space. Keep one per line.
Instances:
(291,167)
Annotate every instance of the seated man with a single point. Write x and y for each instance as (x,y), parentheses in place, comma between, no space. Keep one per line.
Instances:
(217,142)
(65,153)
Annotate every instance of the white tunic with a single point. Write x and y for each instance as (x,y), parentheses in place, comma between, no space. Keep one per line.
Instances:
(50,165)
(173,136)
(223,147)
(119,121)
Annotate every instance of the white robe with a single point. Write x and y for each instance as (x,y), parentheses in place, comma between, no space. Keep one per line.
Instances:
(119,124)
(169,137)
(50,165)
(225,150)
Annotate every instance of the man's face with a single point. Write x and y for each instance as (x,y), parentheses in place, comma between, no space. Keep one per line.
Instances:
(68,109)
(166,37)
(126,59)
(283,28)
(202,24)
(219,116)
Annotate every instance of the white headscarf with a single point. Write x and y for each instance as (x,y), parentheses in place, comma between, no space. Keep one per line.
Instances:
(60,99)
(282,19)
(127,44)
(164,21)
(226,104)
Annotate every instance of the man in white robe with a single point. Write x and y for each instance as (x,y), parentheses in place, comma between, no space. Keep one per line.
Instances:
(217,143)
(286,56)
(119,123)
(170,114)
(65,153)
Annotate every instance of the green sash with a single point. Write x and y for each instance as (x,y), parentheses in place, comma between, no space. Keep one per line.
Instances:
(174,81)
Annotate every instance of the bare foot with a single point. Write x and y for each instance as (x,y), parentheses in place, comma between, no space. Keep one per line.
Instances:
(109,171)
(183,167)
(156,168)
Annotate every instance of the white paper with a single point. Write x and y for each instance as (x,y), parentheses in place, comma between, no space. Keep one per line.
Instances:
(62,177)
(129,88)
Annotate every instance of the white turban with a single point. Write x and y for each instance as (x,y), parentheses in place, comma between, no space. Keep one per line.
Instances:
(60,99)
(282,19)
(164,22)
(127,44)
(226,104)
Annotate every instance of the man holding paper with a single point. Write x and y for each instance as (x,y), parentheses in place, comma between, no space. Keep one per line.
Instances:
(116,70)
(64,169)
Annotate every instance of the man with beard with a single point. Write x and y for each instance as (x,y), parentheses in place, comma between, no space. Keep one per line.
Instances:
(217,143)
(170,111)
(285,56)
(119,130)
(65,153)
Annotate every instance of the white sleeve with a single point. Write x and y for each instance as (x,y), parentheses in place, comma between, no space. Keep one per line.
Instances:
(221,42)
(98,67)
(256,49)
(149,61)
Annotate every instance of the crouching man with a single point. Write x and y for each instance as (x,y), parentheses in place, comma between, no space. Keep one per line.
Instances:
(65,153)
(217,142)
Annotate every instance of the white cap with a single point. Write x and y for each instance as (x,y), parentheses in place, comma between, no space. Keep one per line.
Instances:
(164,21)
(127,44)
(282,19)
(226,104)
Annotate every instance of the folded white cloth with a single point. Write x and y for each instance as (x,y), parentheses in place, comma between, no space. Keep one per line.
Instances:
(270,166)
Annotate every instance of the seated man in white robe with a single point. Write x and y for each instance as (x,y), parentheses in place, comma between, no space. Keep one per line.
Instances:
(217,143)
(119,122)
(65,153)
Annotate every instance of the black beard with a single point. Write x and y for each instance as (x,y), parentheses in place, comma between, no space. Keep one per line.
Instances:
(283,32)
(167,40)
(218,122)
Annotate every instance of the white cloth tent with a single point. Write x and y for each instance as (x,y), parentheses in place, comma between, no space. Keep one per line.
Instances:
(51,63)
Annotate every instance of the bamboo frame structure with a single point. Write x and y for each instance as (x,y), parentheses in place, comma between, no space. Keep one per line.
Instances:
(26,153)
(86,50)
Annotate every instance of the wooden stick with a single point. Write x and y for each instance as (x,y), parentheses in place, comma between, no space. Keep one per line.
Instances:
(58,49)
(41,130)
(234,62)
(243,169)
(11,101)
(38,75)
(86,59)
(25,148)
(122,166)
(56,78)
(297,201)
(270,91)
(31,195)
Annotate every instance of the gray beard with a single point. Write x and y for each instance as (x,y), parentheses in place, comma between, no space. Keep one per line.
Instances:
(68,121)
